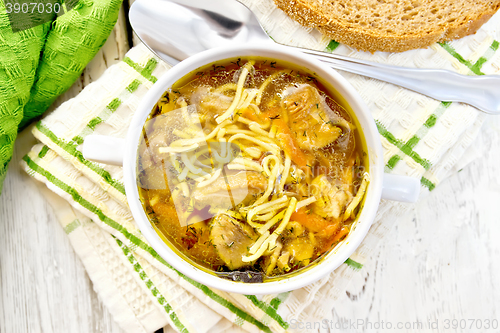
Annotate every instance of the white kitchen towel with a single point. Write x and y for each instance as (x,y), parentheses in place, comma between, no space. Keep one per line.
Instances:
(422,138)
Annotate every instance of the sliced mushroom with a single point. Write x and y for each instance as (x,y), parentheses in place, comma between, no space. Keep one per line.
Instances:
(309,119)
(331,200)
(230,189)
(232,240)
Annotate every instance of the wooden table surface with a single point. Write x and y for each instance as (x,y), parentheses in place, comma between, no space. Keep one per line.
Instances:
(439,264)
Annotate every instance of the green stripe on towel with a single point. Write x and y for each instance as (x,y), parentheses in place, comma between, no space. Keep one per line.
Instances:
(144,277)
(70,227)
(494,45)
(407,147)
(114,104)
(457,56)
(275,302)
(145,71)
(393,161)
(133,86)
(43,151)
(474,67)
(71,148)
(353,264)
(139,243)
(427,183)
(332,46)
(107,112)
(102,117)
(224,302)
(269,310)
(404,147)
(94,122)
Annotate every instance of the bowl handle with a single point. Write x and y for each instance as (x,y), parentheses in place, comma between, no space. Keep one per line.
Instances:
(400,188)
(103,149)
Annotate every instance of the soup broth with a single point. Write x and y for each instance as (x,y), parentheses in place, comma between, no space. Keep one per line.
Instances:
(251,165)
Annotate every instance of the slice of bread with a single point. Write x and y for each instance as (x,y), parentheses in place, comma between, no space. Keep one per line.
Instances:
(391,25)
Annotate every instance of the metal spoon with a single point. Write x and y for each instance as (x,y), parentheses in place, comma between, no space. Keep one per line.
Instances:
(177,29)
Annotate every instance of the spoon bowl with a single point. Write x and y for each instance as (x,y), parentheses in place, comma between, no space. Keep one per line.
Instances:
(175,30)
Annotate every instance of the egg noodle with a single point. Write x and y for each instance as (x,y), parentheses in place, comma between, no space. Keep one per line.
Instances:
(205,165)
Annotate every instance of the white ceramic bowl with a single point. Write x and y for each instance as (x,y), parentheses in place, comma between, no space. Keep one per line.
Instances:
(395,189)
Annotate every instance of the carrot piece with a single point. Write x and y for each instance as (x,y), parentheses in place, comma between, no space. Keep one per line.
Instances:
(249,113)
(166,211)
(310,220)
(335,239)
(344,231)
(330,229)
(273,112)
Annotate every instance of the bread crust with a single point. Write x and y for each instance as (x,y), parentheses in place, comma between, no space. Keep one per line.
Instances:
(307,13)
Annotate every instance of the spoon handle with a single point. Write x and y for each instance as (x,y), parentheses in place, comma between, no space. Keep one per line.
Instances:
(479,91)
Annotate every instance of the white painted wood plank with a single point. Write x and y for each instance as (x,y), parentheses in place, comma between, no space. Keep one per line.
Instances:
(439,263)
(43,284)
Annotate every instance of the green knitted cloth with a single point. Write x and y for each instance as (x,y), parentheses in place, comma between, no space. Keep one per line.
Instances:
(40,63)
